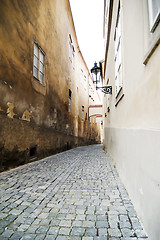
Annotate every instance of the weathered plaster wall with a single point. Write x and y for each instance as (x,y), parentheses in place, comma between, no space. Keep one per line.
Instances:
(34,114)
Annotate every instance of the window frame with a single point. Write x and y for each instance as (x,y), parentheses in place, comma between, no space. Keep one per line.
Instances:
(118,55)
(85,82)
(38,61)
(71,51)
(153,20)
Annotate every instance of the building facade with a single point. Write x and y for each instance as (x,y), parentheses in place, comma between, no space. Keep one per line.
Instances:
(132,112)
(95,109)
(43,101)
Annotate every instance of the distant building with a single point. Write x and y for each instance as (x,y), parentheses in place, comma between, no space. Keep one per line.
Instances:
(132,112)
(95,108)
(44,96)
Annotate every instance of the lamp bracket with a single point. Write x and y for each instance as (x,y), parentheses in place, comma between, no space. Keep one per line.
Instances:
(105,89)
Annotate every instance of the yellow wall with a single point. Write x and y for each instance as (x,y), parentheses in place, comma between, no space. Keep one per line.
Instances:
(24,101)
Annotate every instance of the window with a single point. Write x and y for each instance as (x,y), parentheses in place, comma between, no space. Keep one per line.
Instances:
(118,57)
(73,57)
(85,83)
(106,22)
(38,63)
(71,51)
(154,13)
(83,80)
(69,101)
(81,76)
(83,113)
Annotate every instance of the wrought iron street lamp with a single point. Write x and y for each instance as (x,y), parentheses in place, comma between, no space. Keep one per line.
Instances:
(97,71)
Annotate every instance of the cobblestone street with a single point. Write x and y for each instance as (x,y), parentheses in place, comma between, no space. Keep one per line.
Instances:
(72,195)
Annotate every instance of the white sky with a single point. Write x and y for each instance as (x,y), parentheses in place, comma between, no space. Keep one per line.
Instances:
(88,20)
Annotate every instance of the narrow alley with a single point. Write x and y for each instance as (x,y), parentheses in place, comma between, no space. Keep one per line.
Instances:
(72,195)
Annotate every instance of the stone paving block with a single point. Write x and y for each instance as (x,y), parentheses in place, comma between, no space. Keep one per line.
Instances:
(100,238)
(114,238)
(28,237)
(23,227)
(101,224)
(46,210)
(65,211)
(17,235)
(16,212)
(43,215)
(42,229)
(75,238)
(70,216)
(91,232)
(123,218)
(64,231)
(77,223)
(62,238)
(53,230)
(125,224)
(61,216)
(45,222)
(87,238)
(101,217)
(126,232)
(52,215)
(114,232)
(88,224)
(91,217)
(101,212)
(81,217)
(77,231)
(129,238)
(135,223)
(65,223)
(1,230)
(80,211)
(113,223)
(102,231)
(140,233)
(11,218)
(32,229)
(7,234)
(3,215)
(36,221)
(50,237)
(4,223)
(55,222)
(40,237)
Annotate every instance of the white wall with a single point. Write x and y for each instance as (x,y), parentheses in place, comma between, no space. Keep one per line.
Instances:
(132,128)
(136,154)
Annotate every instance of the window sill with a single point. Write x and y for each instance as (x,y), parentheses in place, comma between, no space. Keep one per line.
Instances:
(119,92)
(43,84)
(119,97)
(39,87)
(153,47)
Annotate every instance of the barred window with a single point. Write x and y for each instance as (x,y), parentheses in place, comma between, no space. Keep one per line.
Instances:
(69,101)
(83,113)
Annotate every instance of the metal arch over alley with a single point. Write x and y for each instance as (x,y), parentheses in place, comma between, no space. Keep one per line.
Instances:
(73,195)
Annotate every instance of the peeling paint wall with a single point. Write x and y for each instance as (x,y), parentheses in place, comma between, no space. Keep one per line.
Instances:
(27,104)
